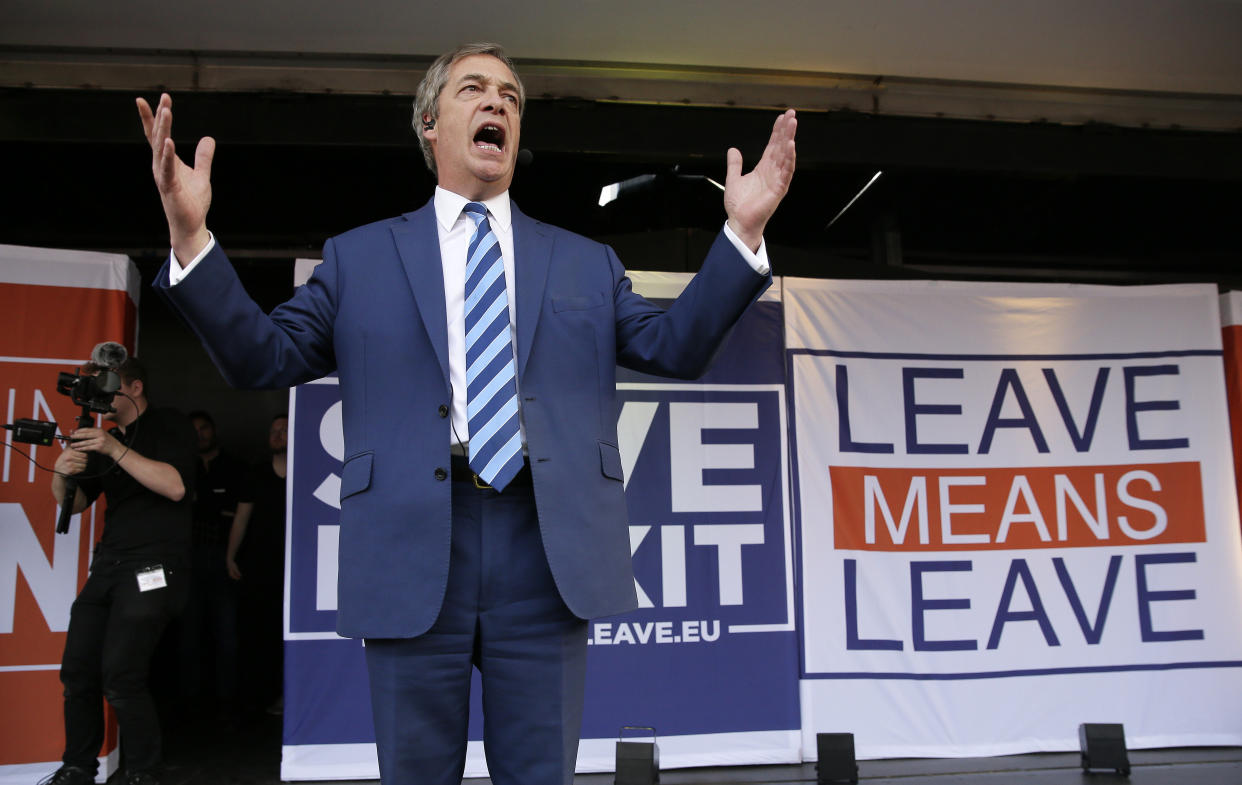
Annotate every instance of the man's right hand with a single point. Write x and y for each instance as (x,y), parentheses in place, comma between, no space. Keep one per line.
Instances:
(70,461)
(184,191)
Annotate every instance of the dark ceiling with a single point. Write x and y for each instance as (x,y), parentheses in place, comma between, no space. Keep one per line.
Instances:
(957,199)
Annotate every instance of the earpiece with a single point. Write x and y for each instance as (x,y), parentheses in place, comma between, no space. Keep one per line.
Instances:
(429,124)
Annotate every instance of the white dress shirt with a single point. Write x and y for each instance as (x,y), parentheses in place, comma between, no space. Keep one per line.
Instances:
(455,230)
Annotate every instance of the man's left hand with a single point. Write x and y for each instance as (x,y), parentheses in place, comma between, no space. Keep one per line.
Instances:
(97,440)
(751,199)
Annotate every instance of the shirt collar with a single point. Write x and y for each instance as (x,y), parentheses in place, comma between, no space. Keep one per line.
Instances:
(449,206)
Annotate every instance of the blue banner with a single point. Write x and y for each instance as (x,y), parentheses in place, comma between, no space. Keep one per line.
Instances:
(710,660)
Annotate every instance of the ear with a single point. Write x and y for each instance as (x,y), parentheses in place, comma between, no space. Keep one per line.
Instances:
(429,133)
(138,388)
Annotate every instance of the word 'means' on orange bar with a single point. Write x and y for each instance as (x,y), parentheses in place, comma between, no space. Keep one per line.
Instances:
(1016,508)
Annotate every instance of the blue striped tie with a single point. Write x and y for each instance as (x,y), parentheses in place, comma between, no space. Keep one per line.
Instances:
(491,378)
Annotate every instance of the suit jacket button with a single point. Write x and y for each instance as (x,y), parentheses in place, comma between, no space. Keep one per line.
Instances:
(443,410)
(441,474)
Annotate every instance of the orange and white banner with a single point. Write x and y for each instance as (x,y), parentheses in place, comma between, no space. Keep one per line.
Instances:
(1017,513)
(57,306)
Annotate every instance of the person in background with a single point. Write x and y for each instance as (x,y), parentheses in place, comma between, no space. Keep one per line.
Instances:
(208,635)
(256,560)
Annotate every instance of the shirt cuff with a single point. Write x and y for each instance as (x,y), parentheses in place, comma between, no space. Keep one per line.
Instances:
(177,272)
(758,260)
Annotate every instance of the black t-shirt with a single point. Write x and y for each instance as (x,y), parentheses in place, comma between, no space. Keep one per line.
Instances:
(217,488)
(262,553)
(141,525)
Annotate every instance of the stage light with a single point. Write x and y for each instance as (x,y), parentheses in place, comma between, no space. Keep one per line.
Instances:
(836,758)
(1103,746)
(850,204)
(638,762)
(633,185)
(649,182)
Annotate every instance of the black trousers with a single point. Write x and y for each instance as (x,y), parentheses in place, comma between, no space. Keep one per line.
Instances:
(208,628)
(113,631)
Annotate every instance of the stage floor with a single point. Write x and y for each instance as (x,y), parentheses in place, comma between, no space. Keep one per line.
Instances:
(206,752)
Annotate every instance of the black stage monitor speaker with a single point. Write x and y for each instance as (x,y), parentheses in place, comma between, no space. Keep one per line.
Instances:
(638,762)
(836,758)
(1103,746)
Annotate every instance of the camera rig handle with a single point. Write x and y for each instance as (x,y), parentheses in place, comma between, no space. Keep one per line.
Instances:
(84,420)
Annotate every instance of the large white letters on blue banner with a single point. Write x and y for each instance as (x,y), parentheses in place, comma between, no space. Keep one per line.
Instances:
(709,660)
(705,658)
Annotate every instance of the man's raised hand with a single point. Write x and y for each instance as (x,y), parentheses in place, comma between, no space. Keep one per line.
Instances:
(184,191)
(751,199)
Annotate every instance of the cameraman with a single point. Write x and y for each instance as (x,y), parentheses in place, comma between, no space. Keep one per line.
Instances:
(137,582)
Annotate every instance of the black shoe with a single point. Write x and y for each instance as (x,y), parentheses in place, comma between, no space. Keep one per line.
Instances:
(141,778)
(69,775)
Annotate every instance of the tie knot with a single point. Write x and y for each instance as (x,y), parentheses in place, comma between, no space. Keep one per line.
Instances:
(475,211)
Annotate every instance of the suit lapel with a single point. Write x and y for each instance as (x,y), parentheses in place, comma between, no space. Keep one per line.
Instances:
(532,250)
(418,243)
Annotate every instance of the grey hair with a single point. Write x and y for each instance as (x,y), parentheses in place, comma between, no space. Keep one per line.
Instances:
(427,99)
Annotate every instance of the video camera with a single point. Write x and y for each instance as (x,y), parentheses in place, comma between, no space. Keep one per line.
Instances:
(93,392)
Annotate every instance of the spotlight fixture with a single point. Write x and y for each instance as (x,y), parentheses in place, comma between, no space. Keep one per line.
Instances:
(1103,746)
(836,758)
(648,182)
(638,762)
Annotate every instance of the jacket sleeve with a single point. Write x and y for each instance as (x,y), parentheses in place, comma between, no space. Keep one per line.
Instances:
(681,342)
(254,350)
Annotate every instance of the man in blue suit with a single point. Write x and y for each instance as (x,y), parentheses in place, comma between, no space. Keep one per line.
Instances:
(440,570)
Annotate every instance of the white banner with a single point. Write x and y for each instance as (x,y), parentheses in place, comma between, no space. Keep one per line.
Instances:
(1017,514)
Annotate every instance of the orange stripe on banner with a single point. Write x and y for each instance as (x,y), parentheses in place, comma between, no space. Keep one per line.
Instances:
(32,724)
(1016,508)
(66,329)
(33,727)
(1232,338)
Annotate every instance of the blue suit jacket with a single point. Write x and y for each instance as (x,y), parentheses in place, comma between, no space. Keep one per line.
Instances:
(374,311)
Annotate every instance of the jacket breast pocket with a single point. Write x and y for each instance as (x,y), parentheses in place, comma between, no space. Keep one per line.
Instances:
(356,474)
(578,302)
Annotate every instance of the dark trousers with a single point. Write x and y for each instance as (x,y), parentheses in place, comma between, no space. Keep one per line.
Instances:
(113,630)
(208,627)
(260,635)
(502,614)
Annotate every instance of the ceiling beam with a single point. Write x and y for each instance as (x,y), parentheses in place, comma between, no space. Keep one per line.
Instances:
(875,94)
(608,131)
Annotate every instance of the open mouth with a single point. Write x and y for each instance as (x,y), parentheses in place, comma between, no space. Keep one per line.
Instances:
(490,136)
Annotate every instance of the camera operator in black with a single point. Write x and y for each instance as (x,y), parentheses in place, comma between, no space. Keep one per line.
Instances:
(144,467)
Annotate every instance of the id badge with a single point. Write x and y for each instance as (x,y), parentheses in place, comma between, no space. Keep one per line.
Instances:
(151,578)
